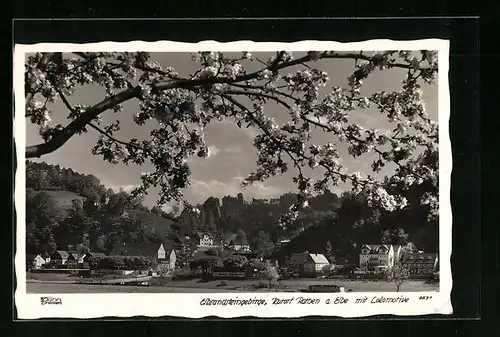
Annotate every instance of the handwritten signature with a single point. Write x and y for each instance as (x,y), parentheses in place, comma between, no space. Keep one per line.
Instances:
(50,300)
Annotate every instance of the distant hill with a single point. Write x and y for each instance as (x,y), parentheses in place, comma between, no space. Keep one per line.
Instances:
(344,221)
(153,222)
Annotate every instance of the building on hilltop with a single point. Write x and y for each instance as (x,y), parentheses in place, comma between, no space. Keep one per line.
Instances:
(260,201)
(282,242)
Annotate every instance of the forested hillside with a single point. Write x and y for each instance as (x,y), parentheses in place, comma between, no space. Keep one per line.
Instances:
(68,209)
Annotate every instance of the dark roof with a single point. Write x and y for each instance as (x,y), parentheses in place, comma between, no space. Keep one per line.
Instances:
(301,258)
(64,254)
(374,248)
(200,234)
(96,254)
(419,257)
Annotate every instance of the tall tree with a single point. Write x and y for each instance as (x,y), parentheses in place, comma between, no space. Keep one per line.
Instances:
(42,219)
(262,244)
(329,251)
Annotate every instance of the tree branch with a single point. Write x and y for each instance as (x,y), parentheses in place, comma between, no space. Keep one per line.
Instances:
(264,88)
(42,64)
(76,125)
(104,133)
(60,138)
(260,94)
(353,138)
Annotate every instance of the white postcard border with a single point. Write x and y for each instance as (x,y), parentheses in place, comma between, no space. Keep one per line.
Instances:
(188,305)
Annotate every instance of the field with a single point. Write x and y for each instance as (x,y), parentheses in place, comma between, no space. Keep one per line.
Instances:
(60,284)
(63,198)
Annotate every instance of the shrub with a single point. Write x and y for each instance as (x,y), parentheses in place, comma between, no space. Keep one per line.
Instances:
(235,261)
(257,264)
(122,262)
(182,274)
(93,263)
(138,263)
(111,262)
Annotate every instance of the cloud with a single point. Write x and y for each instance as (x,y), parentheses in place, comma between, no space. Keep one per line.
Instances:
(213,151)
(199,190)
(233,149)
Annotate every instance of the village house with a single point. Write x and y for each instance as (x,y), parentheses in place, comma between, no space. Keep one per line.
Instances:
(374,257)
(420,264)
(38,262)
(76,258)
(238,244)
(95,255)
(59,256)
(162,257)
(172,259)
(204,239)
(161,254)
(307,262)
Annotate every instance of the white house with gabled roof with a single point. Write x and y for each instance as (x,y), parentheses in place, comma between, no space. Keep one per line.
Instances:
(161,252)
(308,262)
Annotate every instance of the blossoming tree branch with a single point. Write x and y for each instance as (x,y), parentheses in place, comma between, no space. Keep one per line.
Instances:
(222,89)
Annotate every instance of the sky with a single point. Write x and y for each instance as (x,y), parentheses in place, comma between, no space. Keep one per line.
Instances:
(233,156)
